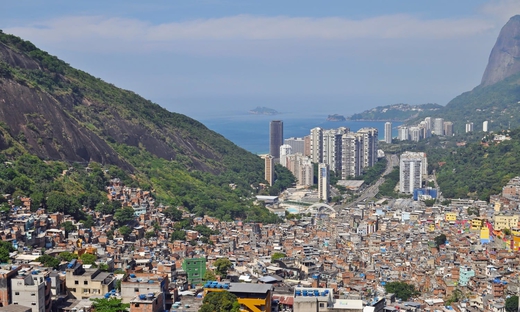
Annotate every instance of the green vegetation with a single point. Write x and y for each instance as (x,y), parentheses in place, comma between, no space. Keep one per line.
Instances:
(277,256)
(401,290)
(373,173)
(183,161)
(222,266)
(388,187)
(512,304)
(5,249)
(396,112)
(109,305)
(440,240)
(88,258)
(220,302)
(49,261)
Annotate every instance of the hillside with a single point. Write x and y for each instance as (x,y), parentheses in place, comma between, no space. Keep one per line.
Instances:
(56,112)
(395,112)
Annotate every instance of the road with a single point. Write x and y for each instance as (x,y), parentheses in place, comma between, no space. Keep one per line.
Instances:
(371,191)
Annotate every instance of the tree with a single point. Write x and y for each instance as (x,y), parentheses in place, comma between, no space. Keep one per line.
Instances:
(512,304)
(124,215)
(5,249)
(440,240)
(125,230)
(222,266)
(150,234)
(209,276)
(173,213)
(220,302)
(49,261)
(69,227)
(401,290)
(67,256)
(178,235)
(88,258)
(109,305)
(277,255)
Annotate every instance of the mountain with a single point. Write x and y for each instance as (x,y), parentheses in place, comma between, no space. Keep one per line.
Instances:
(395,112)
(504,60)
(56,112)
(497,98)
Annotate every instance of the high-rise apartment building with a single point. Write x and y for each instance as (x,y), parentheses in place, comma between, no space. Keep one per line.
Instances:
(469,127)
(415,134)
(370,138)
(316,139)
(275,138)
(269,169)
(388,132)
(285,150)
(351,155)
(403,133)
(323,182)
(412,170)
(485,126)
(448,128)
(438,126)
(307,145)
(297,144)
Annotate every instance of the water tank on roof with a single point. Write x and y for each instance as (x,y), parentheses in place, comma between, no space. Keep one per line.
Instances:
(132,275)
(142,297)
(107,295)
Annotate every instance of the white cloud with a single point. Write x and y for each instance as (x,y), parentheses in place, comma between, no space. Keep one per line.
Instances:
(501,10)
(248,27)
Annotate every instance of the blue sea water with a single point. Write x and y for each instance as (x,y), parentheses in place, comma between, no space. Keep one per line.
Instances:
(251,132)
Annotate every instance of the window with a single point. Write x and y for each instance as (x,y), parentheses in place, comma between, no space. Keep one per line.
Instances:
(85,282)
(76,282)
(33,303)
(322,305)
(136,289)
(33,294)
(137,305)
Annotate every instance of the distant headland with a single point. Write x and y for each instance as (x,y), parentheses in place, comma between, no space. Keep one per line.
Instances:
(336,117)
(263,111)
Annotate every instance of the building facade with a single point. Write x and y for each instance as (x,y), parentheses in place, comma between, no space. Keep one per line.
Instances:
(412,167)
(297,145)
(388,132)
(269,169)
(275,138)
(323,182)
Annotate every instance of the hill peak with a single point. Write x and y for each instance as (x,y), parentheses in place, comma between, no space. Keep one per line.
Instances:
(504,59)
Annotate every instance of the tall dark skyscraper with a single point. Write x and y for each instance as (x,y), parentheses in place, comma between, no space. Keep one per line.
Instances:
(275,138)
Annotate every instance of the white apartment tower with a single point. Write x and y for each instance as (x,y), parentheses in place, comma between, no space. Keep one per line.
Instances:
(28,289)
(323,182)
(403,133)
(305,174)
(388,132)
(469,127)
(316,139)
(285,150)
(269,169)
(370,138)
(415,134)
(448,128)
(485,126)
(297,144)
(412,168)
(351,153)
(438,126)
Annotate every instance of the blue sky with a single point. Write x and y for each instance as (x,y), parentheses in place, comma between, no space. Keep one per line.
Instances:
(209,57)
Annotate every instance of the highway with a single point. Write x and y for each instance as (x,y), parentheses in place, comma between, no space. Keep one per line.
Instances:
(371,191)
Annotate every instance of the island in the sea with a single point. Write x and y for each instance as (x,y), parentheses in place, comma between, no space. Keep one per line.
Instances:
(263,111)
(336,117)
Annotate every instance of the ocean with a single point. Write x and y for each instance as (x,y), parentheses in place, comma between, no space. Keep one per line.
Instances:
(251,132)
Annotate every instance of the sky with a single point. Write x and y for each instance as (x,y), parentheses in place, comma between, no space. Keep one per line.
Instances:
(206,58)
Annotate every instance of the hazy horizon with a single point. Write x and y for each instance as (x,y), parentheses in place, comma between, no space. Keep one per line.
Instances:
(205,57)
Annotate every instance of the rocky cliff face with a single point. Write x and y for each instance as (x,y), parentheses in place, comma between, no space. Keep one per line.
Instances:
(504,60)
(60,113)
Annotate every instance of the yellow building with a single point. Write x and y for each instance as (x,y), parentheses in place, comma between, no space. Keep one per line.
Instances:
(83,283)
(505,222)
(450,216)
(477,223)
(252,297)
(498,205)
